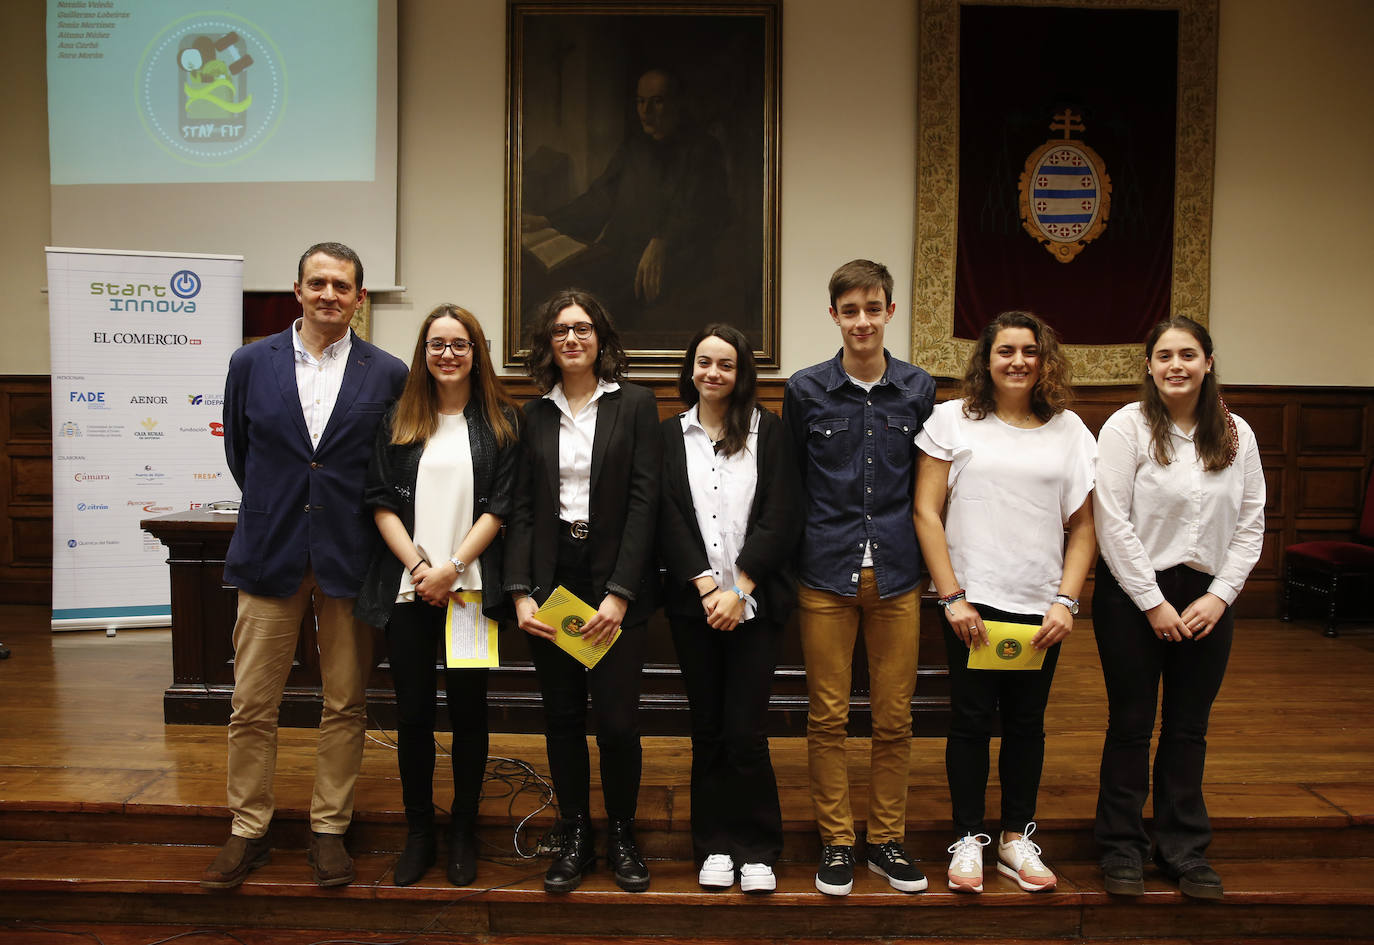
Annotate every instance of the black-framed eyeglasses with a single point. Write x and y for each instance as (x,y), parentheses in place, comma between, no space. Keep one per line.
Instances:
(582,331)
(436,346)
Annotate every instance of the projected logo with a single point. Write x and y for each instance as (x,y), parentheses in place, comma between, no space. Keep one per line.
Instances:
(211,88)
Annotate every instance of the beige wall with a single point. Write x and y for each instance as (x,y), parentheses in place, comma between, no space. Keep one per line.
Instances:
(1293,232)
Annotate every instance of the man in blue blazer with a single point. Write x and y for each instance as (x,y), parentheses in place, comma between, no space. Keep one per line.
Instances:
(301,410)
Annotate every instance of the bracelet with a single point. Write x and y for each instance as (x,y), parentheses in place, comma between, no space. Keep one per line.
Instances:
(708,593)
(416,565)
(951,599)
(737,592)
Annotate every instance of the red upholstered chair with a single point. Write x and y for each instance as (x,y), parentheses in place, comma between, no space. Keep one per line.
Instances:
(1338,574)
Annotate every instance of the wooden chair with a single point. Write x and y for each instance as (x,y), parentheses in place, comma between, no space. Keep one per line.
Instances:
(1339,574)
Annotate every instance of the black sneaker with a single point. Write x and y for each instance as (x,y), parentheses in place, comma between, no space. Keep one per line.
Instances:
(835,877)
(890,860)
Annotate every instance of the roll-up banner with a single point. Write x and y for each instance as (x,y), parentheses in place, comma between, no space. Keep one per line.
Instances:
(140,345)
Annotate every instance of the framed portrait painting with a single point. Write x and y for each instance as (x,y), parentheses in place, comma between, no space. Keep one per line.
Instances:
(642,151)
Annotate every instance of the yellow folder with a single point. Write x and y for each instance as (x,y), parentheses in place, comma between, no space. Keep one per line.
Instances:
(1009,647)
(469,636)
(568,614)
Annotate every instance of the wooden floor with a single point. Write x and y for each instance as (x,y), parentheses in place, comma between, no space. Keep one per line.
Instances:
(85,757)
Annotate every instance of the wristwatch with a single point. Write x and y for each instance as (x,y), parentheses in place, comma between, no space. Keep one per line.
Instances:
(458,566)
(1068,602)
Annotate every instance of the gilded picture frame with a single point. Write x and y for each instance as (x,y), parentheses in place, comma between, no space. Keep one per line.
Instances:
(642,165)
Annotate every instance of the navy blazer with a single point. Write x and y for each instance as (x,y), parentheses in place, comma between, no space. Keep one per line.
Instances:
(302,507)
(626,451)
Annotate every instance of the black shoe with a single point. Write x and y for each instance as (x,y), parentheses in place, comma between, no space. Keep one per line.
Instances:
(575,859)
(462,853)
(416,859)
(1123,880)
(1200,882)
(623,857)
(835,876)
(891,861)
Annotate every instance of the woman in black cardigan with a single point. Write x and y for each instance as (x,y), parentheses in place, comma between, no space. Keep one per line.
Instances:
(449,449)
(584,516)
(728,525)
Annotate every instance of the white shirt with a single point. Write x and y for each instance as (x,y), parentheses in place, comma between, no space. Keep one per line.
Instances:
(722,494)
(1011,491)
(444,502)
(575,437)
(318,380)
(1151,517)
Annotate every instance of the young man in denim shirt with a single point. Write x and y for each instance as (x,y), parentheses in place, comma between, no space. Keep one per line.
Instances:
(854,419)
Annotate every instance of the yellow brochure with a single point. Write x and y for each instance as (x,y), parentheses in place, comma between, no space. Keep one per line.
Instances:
(1009,648)
(568,614)
(469,637)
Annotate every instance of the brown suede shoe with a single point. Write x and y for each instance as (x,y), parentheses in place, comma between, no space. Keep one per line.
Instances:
(236,859)
(329,861)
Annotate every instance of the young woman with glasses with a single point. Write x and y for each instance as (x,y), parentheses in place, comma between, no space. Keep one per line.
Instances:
(440,485)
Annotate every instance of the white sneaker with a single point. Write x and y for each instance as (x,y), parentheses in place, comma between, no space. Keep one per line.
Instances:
(1020,859)
(757,878)
(718,872)
(966,865)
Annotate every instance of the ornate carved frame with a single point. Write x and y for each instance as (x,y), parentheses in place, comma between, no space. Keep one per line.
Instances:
(933,344)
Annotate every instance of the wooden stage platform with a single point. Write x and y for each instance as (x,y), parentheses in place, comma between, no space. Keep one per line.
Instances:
(107,817)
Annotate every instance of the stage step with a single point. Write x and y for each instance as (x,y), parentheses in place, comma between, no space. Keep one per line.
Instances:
(113,882)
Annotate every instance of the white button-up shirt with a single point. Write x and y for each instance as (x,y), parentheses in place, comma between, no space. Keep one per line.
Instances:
(722,494)
(575,438)
(1151,517)
(318,380)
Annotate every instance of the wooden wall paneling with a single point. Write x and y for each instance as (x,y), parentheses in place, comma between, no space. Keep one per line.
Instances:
(1317,445)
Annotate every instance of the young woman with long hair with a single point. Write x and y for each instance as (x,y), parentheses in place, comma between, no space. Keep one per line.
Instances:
(440,485)
(584,518)
(1004,471)
(728,527)
(1180,521)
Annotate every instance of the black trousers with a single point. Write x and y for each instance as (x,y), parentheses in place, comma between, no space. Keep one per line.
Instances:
(415,637)
(978,698)
(728,676)
(614,686)
(1134,661)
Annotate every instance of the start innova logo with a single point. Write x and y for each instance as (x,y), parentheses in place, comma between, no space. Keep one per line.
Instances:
(211,88)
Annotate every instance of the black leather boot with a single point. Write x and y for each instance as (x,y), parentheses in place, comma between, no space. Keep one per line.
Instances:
(462,852)
(623,857)
(576,859)
(418,855)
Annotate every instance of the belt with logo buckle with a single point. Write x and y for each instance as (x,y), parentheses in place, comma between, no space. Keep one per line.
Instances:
(580,529)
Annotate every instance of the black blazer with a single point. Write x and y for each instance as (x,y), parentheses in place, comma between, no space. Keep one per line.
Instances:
(626,453)
(391,485)
(771,535)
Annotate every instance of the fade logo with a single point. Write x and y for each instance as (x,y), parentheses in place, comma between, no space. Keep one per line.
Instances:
(90,399)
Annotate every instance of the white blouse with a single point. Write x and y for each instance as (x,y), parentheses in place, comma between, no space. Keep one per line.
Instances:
(722,495)
(1011,492)
(444,502)
(575,438)
(1151,517)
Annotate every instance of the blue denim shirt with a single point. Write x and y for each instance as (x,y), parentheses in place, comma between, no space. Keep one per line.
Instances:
(857,454)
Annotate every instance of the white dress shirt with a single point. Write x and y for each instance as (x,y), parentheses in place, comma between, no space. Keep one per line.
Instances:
(575,438)
(318,380)
(722,494)
(1151,517)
